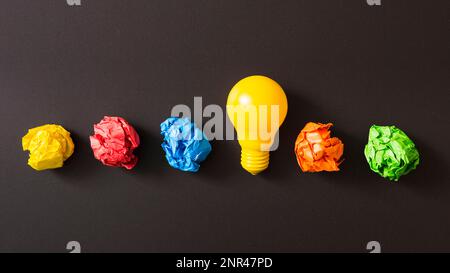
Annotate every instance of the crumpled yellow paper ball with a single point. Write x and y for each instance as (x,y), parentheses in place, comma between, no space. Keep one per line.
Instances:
(49,145)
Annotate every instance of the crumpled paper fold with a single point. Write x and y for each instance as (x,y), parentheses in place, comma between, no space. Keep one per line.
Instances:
(114,141)
(390,152)
(49,145)
(185,145)
(316,150)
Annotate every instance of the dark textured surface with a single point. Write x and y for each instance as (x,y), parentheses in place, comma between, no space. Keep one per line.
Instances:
(339,61)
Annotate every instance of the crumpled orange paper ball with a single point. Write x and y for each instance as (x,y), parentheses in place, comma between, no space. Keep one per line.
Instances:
(316,150)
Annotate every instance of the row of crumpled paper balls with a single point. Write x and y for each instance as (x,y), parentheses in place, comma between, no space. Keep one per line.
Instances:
(113,143)
(389,151)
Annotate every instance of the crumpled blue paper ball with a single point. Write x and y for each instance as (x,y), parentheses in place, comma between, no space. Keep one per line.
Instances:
(185,145)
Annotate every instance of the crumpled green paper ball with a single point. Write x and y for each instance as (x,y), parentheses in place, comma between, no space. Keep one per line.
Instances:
(390,152)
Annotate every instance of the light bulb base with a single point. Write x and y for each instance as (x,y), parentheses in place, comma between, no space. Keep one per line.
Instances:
(253,161)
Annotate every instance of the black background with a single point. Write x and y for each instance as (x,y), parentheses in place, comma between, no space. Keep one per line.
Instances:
(339,61)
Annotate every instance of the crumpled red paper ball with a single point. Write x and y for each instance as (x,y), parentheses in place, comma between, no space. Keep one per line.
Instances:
(114,141)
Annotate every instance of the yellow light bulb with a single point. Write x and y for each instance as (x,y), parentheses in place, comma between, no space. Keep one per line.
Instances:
(257,106)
